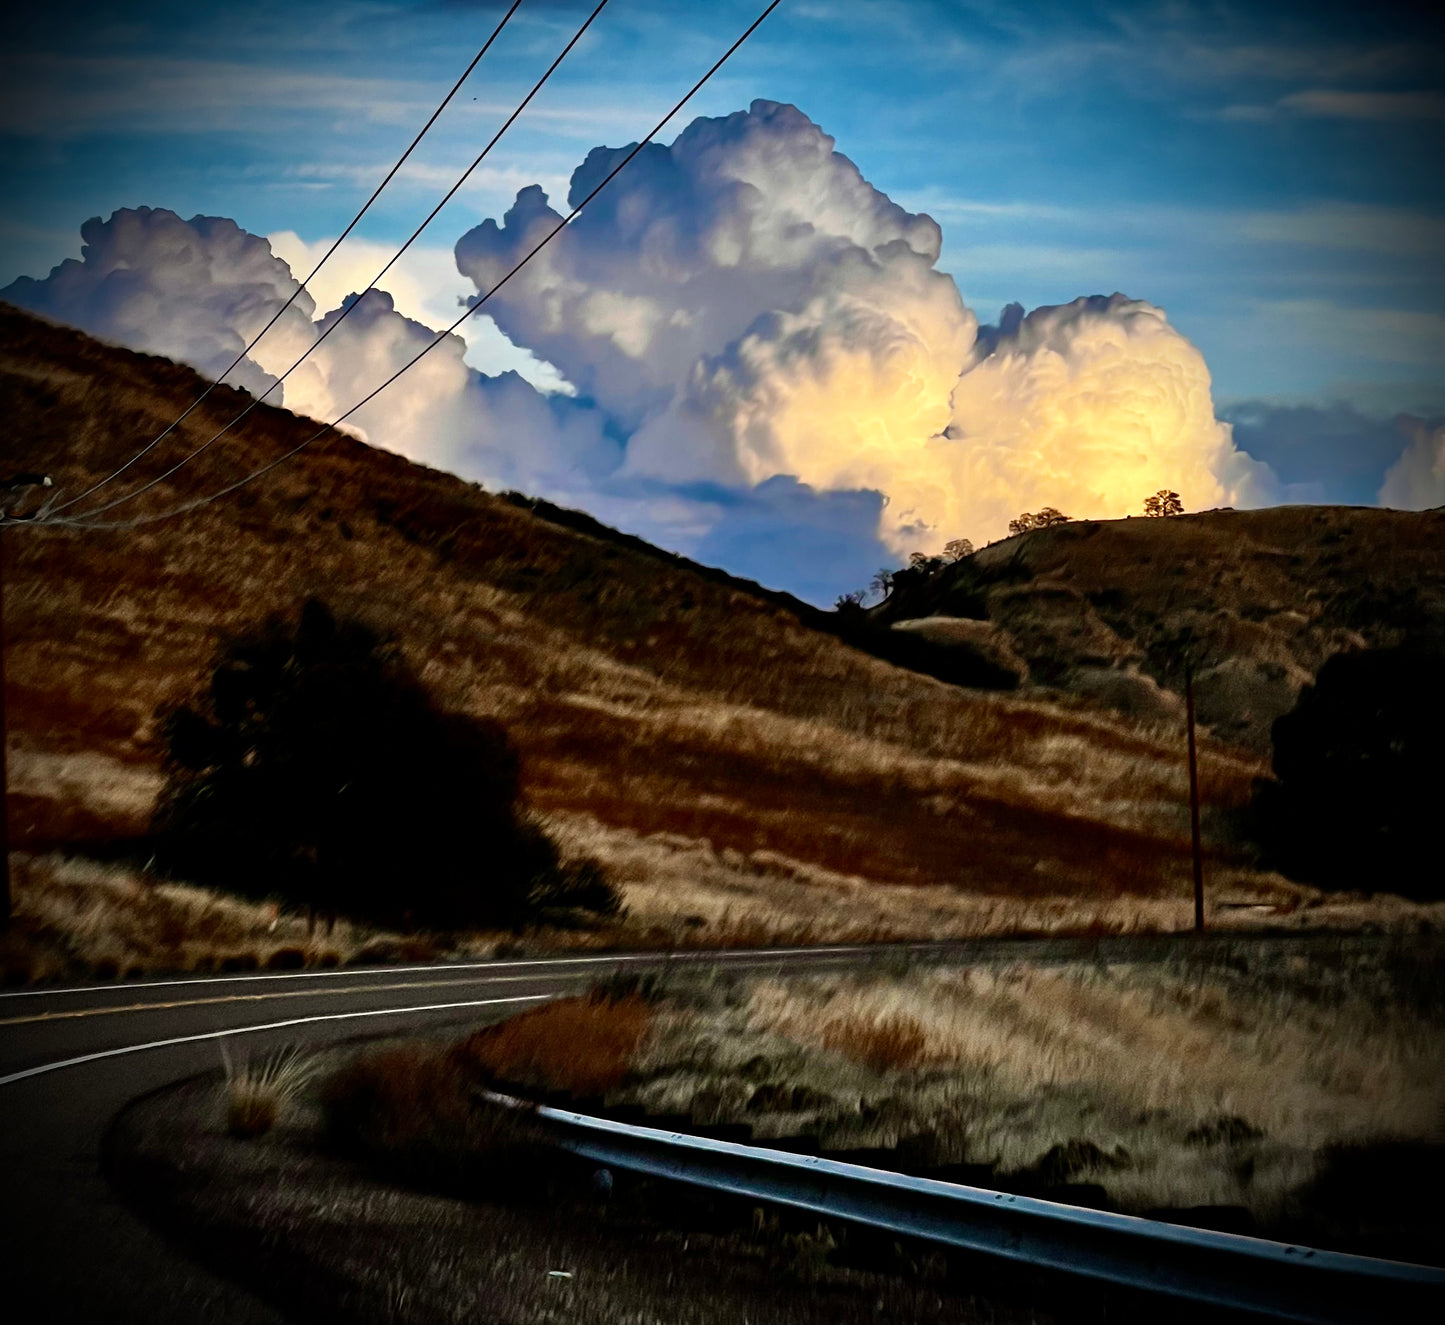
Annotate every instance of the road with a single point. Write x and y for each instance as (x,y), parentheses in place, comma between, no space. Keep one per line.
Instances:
(71,1059)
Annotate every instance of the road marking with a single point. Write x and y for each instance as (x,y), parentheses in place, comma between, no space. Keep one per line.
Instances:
(265,1026)
(261,998)
(619,959)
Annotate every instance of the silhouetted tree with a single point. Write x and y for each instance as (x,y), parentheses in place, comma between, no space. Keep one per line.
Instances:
(1358,763)
(1163,503)
(956,549)
(314,766)
(1040,519)
(882,583)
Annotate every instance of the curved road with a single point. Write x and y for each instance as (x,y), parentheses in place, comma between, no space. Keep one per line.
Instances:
(71,1059)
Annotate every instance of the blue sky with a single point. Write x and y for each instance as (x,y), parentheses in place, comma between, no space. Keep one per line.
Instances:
(1271,175)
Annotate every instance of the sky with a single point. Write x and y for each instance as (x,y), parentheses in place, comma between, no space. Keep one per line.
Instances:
(781,343)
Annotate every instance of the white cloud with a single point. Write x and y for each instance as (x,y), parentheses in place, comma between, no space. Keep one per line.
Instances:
(1416,481)
(766,355)
(424,285)
(196,291)
(748,306)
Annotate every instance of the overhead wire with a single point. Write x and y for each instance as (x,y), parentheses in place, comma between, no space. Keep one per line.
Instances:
(348,308)
(276,316)
(196,503)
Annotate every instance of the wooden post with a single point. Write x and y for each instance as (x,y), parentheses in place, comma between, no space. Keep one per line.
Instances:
(1194,801)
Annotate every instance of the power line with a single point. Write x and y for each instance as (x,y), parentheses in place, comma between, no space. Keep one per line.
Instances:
(275,317)
(347,309)
(184,507)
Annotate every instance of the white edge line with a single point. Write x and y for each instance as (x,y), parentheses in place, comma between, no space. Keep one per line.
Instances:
(689,954)
(264,1026)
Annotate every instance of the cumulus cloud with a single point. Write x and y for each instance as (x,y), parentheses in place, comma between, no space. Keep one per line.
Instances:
(770,370)
(747,306)
(1416,481)
(196,291)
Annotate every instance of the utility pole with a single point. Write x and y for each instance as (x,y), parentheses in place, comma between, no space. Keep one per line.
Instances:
(8,486)
(1194,799)
(4,753)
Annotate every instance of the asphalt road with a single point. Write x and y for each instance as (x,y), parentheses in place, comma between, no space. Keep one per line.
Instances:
(72,1058)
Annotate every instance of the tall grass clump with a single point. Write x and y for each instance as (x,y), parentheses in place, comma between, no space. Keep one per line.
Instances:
(255,1093)
(883,1043)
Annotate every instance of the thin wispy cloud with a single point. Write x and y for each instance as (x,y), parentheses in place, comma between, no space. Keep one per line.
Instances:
(1322,103)
(52,96)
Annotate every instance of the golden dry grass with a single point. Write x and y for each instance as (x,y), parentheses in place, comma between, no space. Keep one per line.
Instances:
(684,891)
(75,917)
(1212,1082)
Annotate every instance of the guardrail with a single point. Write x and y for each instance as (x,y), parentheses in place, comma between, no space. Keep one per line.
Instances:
(1218,1269)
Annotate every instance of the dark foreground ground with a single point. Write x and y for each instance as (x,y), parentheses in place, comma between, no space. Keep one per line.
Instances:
(322,1238)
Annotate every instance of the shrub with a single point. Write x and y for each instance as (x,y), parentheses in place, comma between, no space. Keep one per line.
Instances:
(414,1107)
(1358,782)
(574,1046)
(883,1044)
(316,767)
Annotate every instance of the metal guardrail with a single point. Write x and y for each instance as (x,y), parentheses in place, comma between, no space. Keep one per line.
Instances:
(1219,1269)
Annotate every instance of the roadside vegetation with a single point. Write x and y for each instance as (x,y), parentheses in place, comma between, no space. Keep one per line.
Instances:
(257,1092)
(77,918)
(1295,1090)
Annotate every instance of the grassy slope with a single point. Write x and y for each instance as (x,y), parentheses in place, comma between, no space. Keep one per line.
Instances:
(1270,593)
(661,710)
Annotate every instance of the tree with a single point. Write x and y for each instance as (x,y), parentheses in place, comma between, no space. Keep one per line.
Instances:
(1358,785)
(1163,503)
(882,583)
(314,766)
(851,601)
(1040,519)
(956,549)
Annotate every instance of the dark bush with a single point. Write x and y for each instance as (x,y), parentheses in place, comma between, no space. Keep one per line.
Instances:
(316,768)
(1359,777)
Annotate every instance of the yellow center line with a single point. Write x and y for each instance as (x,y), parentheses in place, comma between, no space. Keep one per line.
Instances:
(295,993)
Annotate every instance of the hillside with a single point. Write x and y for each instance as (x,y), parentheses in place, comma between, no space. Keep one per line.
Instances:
(1100,607)
(737,770)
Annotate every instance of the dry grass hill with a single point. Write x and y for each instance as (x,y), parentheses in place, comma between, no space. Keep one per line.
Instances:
(741,773)
(1100,607)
